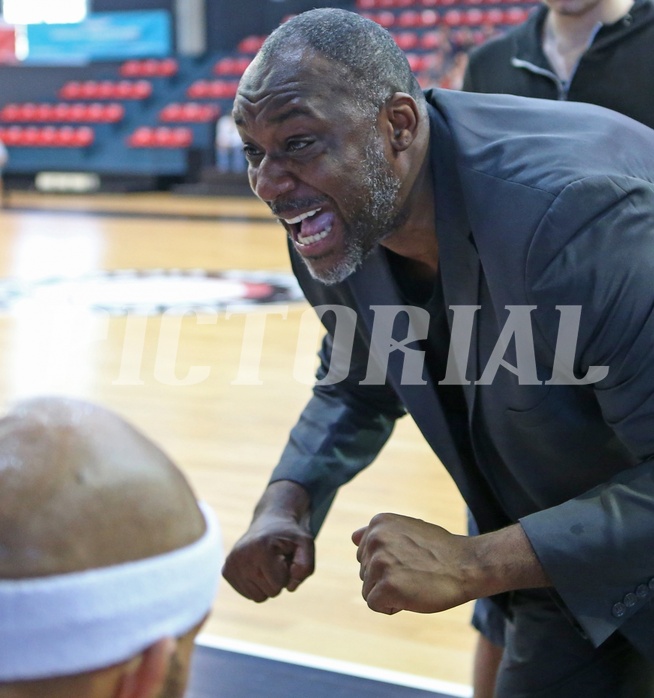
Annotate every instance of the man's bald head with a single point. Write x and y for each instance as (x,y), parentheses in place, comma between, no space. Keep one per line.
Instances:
(80,488)
(83,491)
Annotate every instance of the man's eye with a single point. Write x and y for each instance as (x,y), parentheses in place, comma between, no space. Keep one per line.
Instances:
(251,153)
(294,146)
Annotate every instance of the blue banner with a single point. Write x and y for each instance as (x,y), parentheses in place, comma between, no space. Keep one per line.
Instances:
(102,36)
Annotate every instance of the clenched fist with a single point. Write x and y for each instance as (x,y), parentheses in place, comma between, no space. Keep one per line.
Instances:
(277,551)
(408,564)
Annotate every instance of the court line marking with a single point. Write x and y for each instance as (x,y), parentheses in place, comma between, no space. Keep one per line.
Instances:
(334,665)
(138,215)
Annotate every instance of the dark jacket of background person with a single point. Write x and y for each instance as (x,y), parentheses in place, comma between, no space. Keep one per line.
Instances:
(616,71)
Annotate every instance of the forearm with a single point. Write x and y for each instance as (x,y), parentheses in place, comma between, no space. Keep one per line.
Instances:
(329,445)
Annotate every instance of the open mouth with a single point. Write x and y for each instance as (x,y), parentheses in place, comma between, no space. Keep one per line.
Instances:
(310,227)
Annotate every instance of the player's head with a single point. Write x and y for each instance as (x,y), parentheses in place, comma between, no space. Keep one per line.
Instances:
(108,566)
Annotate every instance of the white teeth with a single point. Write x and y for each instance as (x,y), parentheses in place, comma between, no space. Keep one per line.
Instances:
(310,239)
(301,217)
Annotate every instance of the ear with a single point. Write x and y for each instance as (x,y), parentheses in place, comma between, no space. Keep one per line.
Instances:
(145,675)
(402,120)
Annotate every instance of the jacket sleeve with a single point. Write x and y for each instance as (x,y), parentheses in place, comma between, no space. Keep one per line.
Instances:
(597,547)
(344,425)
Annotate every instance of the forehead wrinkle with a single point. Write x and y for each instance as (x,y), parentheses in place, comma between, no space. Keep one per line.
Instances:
(302,76)
(277,108)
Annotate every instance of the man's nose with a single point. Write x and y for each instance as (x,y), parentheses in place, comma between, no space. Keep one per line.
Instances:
(272,180)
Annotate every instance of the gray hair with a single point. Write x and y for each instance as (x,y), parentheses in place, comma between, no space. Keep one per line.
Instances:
(370,56)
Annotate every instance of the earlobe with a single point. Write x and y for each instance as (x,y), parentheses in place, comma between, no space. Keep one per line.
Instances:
(145,675)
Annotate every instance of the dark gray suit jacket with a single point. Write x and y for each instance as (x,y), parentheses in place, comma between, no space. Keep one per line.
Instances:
(538,204)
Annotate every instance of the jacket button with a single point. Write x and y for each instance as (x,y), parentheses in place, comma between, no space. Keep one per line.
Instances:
(642,591)
(619,609)
(630,600)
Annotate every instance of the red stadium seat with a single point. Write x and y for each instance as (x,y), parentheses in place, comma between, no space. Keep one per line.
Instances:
(416,62)
(172,112)
(77,112)
(432,40)
(149,68)
(494,17)
(65,137)
(168,67)
(199,89)
(409,18)
(30,136)
(251,44)
(429,18)
(453,18)
(141,138)
(43,112)
(130,69)
(473,17)
(113,113)
(384,19)
(47,136)
(10,112)
(28,112)
(141,89)
(189,112)
(225,66)
(406,40)
(13,135)
(231,66)
(83,136)
(515,15)
(71,90)
(90,89)
(161,137)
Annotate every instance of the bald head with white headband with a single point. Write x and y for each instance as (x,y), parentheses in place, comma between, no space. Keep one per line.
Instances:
(108,565)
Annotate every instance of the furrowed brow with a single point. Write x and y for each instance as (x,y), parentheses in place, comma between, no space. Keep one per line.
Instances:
(290,114)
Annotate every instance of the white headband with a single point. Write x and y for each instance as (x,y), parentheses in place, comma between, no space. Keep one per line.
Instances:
(82,621)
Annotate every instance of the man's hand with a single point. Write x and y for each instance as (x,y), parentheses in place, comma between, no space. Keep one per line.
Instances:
(277,551)
(408,564)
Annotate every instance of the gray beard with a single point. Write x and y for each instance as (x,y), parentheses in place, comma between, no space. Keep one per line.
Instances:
(374,217)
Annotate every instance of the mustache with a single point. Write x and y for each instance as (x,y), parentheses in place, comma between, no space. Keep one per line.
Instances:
(280,208)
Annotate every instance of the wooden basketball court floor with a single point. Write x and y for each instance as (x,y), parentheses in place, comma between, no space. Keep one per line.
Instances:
(225,432)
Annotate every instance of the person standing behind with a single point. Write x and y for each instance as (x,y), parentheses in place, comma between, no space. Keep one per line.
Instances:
(4,156)
(594,51)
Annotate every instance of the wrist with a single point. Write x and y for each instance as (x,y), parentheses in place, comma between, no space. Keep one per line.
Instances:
(284,499)
(504,560)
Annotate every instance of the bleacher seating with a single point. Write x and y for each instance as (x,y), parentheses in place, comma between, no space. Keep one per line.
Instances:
(190,112)
(76,112)
(161,137)
(234,67)
(47,136)
(165,109)
(106,89)
(150,68)
(212,89)
(250,44)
